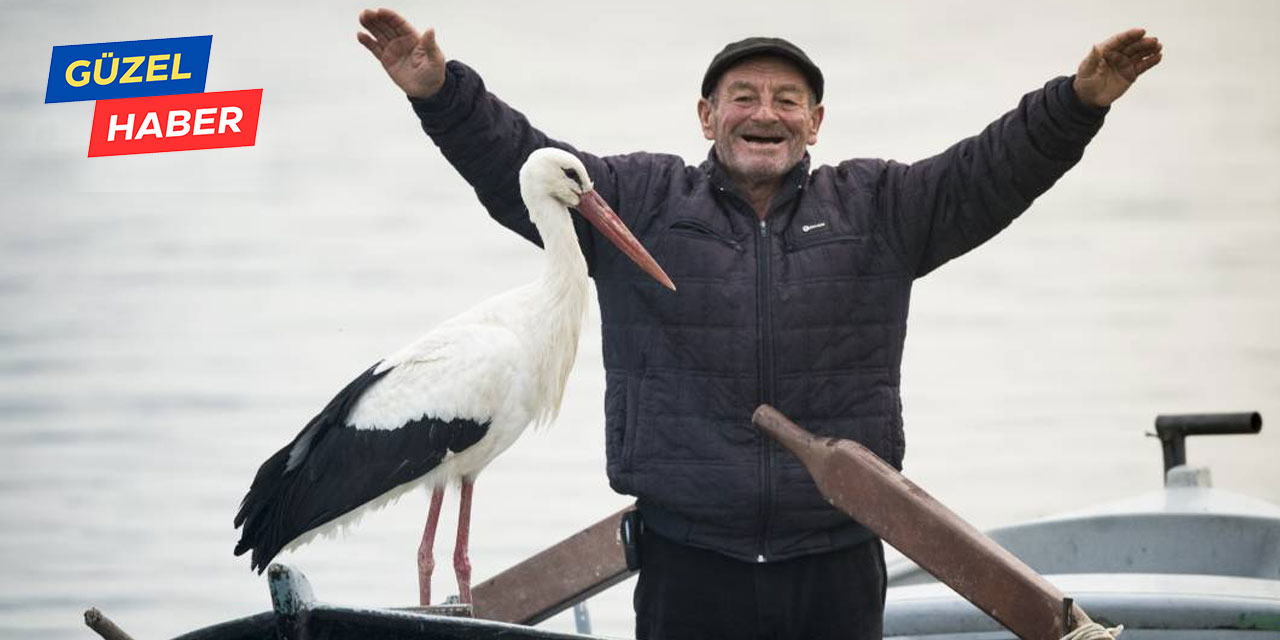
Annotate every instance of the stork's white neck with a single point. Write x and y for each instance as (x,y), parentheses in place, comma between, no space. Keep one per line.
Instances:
(561,299)
(555,225)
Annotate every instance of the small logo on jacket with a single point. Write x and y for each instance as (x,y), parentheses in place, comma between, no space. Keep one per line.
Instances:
(810,227)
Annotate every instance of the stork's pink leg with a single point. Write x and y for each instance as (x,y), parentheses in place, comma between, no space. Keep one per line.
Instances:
(461,560)
(426,559)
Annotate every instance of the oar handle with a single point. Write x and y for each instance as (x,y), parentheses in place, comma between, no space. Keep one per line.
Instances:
(786,432)
(103,625)
(859,483)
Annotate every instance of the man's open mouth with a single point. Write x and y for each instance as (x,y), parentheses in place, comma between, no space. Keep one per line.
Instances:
(764,139)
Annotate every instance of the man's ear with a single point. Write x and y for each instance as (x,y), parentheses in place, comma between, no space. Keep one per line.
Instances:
(815,122)
(704,118)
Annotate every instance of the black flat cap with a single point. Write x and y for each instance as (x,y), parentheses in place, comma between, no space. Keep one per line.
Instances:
(736,52)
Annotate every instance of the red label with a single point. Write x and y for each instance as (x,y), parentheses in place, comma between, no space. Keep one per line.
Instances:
(175,123)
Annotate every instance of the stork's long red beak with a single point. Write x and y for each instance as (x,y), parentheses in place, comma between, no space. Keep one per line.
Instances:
(599,213)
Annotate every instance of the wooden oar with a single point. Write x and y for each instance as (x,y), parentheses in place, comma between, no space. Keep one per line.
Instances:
(558,577)
(862,485)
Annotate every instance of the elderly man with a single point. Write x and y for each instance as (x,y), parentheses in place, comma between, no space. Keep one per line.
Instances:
(793,290)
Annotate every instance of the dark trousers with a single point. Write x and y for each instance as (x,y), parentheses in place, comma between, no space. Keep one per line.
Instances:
(687,593)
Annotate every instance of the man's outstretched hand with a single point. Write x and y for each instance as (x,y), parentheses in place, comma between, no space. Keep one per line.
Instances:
(413,60)
(1112,66)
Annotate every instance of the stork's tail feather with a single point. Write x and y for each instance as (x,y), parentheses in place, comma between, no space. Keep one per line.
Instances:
(264,530)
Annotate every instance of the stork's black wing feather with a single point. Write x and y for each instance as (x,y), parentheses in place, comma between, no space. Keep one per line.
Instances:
(330,469)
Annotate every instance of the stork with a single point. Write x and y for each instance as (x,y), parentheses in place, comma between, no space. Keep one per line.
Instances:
(440,409)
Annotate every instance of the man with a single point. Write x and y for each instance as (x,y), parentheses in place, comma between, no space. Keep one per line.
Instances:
(793,290)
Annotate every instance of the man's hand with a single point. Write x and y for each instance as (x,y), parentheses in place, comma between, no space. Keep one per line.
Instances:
(414,62)
(1112,66)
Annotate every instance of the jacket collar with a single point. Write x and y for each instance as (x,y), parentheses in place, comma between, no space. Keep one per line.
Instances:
(792,183)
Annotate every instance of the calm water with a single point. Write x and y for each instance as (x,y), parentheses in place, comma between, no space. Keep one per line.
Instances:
(168,321)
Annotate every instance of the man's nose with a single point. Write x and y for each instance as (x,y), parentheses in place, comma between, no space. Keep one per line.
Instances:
(764,113)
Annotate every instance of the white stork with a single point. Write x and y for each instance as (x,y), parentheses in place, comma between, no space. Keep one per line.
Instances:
(440,409)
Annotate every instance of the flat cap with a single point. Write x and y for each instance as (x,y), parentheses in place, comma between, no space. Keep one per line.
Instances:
(736,52)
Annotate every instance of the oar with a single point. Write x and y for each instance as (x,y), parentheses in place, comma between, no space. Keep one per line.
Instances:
(862,485)
(558,577)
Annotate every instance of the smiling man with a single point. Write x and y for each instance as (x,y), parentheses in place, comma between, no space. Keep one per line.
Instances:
(794,285)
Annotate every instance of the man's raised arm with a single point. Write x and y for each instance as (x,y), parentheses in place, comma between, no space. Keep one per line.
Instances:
(943,206)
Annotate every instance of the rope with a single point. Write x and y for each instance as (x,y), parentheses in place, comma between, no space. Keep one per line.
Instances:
(1094,631)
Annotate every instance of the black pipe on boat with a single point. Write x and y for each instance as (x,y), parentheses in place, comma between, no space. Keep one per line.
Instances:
(1173,430)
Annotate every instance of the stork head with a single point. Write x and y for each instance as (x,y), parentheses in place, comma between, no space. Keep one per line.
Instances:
(560,175)
(555,173)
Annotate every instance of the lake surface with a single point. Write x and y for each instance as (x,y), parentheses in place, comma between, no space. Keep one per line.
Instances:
(168,321)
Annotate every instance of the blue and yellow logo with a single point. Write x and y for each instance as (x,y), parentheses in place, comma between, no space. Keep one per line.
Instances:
(131,69)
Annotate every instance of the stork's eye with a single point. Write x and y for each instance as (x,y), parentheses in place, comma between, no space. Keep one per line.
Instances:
(572,174)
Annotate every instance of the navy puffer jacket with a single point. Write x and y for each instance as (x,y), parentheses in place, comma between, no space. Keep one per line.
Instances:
(806,311)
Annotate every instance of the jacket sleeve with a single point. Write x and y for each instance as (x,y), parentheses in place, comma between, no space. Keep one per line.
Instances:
(487,141)
(943,206)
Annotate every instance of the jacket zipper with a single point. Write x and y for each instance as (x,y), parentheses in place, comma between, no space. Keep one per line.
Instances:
(764,324)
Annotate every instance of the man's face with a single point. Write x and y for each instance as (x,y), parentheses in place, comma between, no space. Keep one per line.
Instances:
(760,118)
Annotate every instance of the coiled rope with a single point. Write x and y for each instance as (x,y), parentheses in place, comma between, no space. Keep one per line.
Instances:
(1094,631)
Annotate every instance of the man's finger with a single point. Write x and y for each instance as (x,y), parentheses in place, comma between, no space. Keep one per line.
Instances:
(377,24)
(387,29)
(395,24)
(433,50)
(1120,40)
(369,43)
(1141,47)
(369,20)
(1148,62)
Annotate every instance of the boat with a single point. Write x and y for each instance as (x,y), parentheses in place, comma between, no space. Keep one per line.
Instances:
(296,614)
(1186,562)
